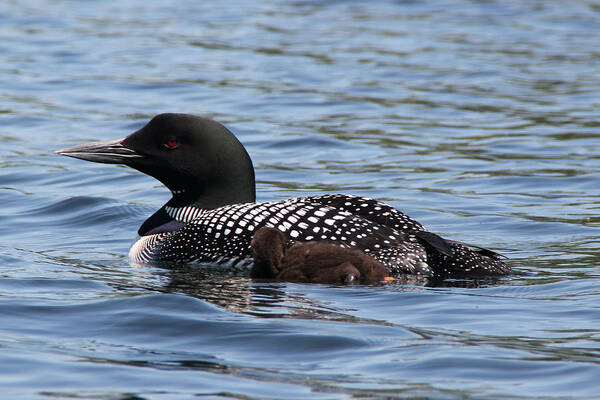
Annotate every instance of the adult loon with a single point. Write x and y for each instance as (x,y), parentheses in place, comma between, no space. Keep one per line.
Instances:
(212,214)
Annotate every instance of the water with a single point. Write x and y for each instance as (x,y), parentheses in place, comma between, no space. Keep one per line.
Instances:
(478,118)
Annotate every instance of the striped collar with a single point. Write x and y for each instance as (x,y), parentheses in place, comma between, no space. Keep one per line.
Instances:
(184,214)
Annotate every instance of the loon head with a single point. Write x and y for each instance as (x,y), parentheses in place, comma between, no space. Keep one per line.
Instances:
(198,159)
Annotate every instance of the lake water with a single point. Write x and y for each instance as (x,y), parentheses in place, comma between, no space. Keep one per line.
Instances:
(481,119)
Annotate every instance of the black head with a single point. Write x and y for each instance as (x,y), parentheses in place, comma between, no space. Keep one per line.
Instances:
(198,159)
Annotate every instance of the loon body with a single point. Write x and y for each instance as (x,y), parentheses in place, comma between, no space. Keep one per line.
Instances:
(212,215)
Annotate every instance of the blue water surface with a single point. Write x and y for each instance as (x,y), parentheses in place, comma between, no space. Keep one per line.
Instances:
(481,119)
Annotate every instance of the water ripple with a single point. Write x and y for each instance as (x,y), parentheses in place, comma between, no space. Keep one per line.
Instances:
(477,118)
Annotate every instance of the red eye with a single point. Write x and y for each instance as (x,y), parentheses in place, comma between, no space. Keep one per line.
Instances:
(171,144)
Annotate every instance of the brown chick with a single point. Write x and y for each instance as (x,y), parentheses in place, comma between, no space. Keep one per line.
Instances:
(317,262)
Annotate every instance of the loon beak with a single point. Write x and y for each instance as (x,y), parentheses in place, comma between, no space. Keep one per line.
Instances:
(108,152)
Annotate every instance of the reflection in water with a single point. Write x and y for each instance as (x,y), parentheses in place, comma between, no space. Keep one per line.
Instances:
(235,291)
(225,288)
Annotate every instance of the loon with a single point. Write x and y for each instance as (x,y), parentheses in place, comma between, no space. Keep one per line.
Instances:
(213,215)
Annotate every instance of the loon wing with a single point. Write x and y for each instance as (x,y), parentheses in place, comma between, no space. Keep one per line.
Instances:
(480,250)
(371,210)
(383,214)
(437,242)
(441,252)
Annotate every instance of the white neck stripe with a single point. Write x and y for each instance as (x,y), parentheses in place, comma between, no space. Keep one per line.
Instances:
(184,214)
